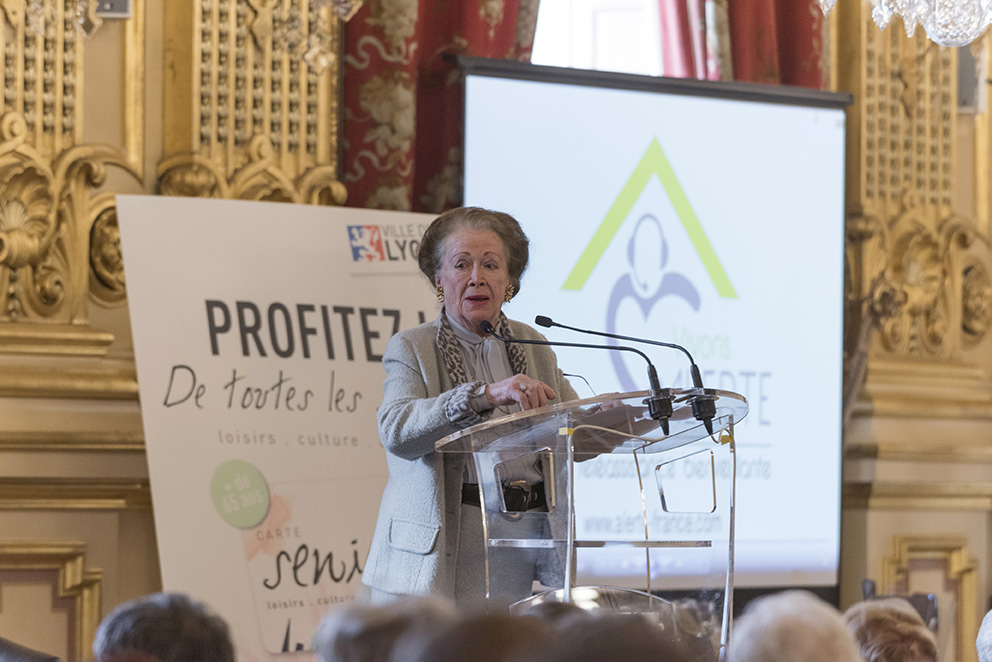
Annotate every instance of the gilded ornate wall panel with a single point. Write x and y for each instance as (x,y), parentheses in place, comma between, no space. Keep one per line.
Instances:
(49,178)
(919,286)
(252,101)
(918,365)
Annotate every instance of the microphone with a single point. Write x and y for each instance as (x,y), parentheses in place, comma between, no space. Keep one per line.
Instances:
(659,402)
(703,405)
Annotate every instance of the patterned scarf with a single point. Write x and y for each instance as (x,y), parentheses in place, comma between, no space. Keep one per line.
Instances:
(452,352)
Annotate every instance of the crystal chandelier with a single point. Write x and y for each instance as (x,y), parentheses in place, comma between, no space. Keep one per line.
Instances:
(946,22)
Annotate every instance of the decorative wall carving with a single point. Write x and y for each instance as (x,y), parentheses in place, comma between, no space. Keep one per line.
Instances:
(64,564)
(960,578)
(976,301)
(252,108)
(107,283)
(917,290)
(47,184)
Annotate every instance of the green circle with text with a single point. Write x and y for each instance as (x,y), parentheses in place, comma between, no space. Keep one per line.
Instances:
(240,494)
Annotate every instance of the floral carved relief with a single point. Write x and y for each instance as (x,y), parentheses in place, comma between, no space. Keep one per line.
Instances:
(918,266)
(107,258)
(976,301)
(46,211)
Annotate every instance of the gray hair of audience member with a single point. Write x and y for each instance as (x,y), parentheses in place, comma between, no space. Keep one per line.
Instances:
(170,627)
(358,632)
(984,640)
(603,635)
(486,637)
(791,626)
(890,630)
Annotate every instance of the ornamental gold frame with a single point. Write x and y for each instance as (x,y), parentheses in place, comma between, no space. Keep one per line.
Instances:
(73,580)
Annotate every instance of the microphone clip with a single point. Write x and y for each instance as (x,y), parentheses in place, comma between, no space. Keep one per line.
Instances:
(660,407)
(704,409)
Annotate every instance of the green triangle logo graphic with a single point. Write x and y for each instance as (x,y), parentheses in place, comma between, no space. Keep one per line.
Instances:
(654,162)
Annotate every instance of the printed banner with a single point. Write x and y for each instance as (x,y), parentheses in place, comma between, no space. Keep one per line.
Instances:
(258,331)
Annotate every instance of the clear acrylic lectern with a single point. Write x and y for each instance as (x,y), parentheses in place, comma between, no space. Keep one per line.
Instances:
(624,500)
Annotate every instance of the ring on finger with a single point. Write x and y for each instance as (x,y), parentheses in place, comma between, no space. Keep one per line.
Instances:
(523,389)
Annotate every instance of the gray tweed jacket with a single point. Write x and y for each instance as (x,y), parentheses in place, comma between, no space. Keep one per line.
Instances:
(425,397)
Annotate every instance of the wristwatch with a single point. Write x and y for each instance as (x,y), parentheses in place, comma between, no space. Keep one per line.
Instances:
(477,399)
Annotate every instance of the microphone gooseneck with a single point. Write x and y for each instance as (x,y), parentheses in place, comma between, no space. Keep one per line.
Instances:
(703,405)
(659,402)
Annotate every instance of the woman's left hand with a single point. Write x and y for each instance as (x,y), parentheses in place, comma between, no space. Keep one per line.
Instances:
(520,389)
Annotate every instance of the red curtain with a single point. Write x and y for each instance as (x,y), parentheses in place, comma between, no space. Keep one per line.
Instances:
(770,41)
(778,41)
(689,47)
(403,102)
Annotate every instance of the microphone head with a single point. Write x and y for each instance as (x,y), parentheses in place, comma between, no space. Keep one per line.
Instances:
(486,327)
(541,320)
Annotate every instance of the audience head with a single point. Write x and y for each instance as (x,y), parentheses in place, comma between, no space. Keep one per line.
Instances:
(984,640)
(603,635)
(890,630)
(480,638)
(553,611)
(792,626)
(365,633)
(163,627)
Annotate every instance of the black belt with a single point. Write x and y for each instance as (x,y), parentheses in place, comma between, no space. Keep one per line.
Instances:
(518,495)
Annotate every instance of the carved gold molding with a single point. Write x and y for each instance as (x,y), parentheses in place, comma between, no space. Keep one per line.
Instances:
(73,580)
(74,494)
(918,496)
(134,88)
(108,379)
(245,116)
(71,441)
(930,452)
(959,568)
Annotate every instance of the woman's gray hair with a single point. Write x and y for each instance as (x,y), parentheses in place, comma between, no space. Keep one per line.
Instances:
(792,626)
(171,627)
(504,226)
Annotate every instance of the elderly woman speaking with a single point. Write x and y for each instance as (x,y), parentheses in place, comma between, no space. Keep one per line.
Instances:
(444,376)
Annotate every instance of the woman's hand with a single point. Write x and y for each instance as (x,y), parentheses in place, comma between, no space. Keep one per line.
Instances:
(527,392)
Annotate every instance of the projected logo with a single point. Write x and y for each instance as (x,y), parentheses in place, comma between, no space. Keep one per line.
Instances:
(647,280)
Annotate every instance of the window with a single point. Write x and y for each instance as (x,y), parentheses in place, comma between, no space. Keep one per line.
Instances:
(608,35)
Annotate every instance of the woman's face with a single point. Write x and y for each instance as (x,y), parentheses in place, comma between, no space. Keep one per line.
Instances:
(474,276)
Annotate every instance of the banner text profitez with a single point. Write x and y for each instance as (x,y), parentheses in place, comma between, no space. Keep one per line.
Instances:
(302,329)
